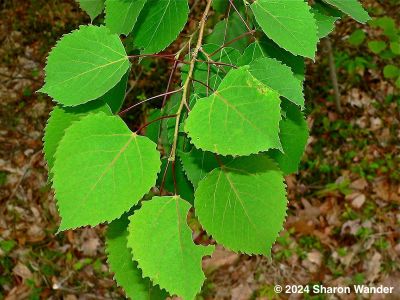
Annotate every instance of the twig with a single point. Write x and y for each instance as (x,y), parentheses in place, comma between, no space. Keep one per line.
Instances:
(31,161)
(186,88)
(333,74)
(189,78)
(171,76)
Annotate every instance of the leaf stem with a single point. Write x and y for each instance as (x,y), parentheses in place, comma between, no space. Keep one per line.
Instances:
(233,40)
(148,99)
(204,84)
(155,120)
(240,16)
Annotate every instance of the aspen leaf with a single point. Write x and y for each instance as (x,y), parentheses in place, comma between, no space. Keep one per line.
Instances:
(121,15)
(289,23)
(227,120)
(60,119)
(84,65)
(161,242)
(159,23)
(243,204)
(267,48)
(101,170)
(294,136)
(92,7)
(351,7)
(279,77)
(125,269)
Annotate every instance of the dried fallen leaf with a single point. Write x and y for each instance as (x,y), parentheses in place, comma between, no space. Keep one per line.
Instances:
(373,267)
(22,271)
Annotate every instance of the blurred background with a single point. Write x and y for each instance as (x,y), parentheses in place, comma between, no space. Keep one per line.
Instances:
(344,217)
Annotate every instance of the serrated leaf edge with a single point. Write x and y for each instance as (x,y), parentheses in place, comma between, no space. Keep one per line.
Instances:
(278,233)
(113,273)
(244,153)
(144,274)
(43,89)
(313,57)
(143,49)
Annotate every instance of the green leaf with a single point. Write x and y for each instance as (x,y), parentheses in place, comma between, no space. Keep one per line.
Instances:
(294,136)
(101,170)
(221,6)
(328,10)
(252,52)
(121,15)
(197,164)
(116,96)
(325,23)
(227,122)
(92,7)
(267,48)
(288,23)
(357,37)
(211,74)
(162,244)
(279,77)
(377,46)
(243,204)
(126,272)
(153,129)
(388,25)
(60,119)
(226,30)
(391,71)
(351,7)
(395,47)
(159,23)
(85,65)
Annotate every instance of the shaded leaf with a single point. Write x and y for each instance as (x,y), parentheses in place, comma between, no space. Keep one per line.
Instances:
(211,74)
(121,15)
(325,23)
(294,136)
(116,96)
(197,164)
(267,48)
(126,272)
(159,24)
(351,7)
(60,119)
(227,30)
(92,7)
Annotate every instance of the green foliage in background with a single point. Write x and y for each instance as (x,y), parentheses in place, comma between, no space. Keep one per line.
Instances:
(385,44)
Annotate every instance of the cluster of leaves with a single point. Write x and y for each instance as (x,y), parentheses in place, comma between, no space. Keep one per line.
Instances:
(223,142)
(387,45)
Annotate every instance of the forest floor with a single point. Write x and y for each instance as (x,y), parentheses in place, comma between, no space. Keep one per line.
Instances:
(344,217)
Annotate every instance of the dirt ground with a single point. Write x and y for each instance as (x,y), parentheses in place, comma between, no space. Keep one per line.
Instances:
(343,223)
